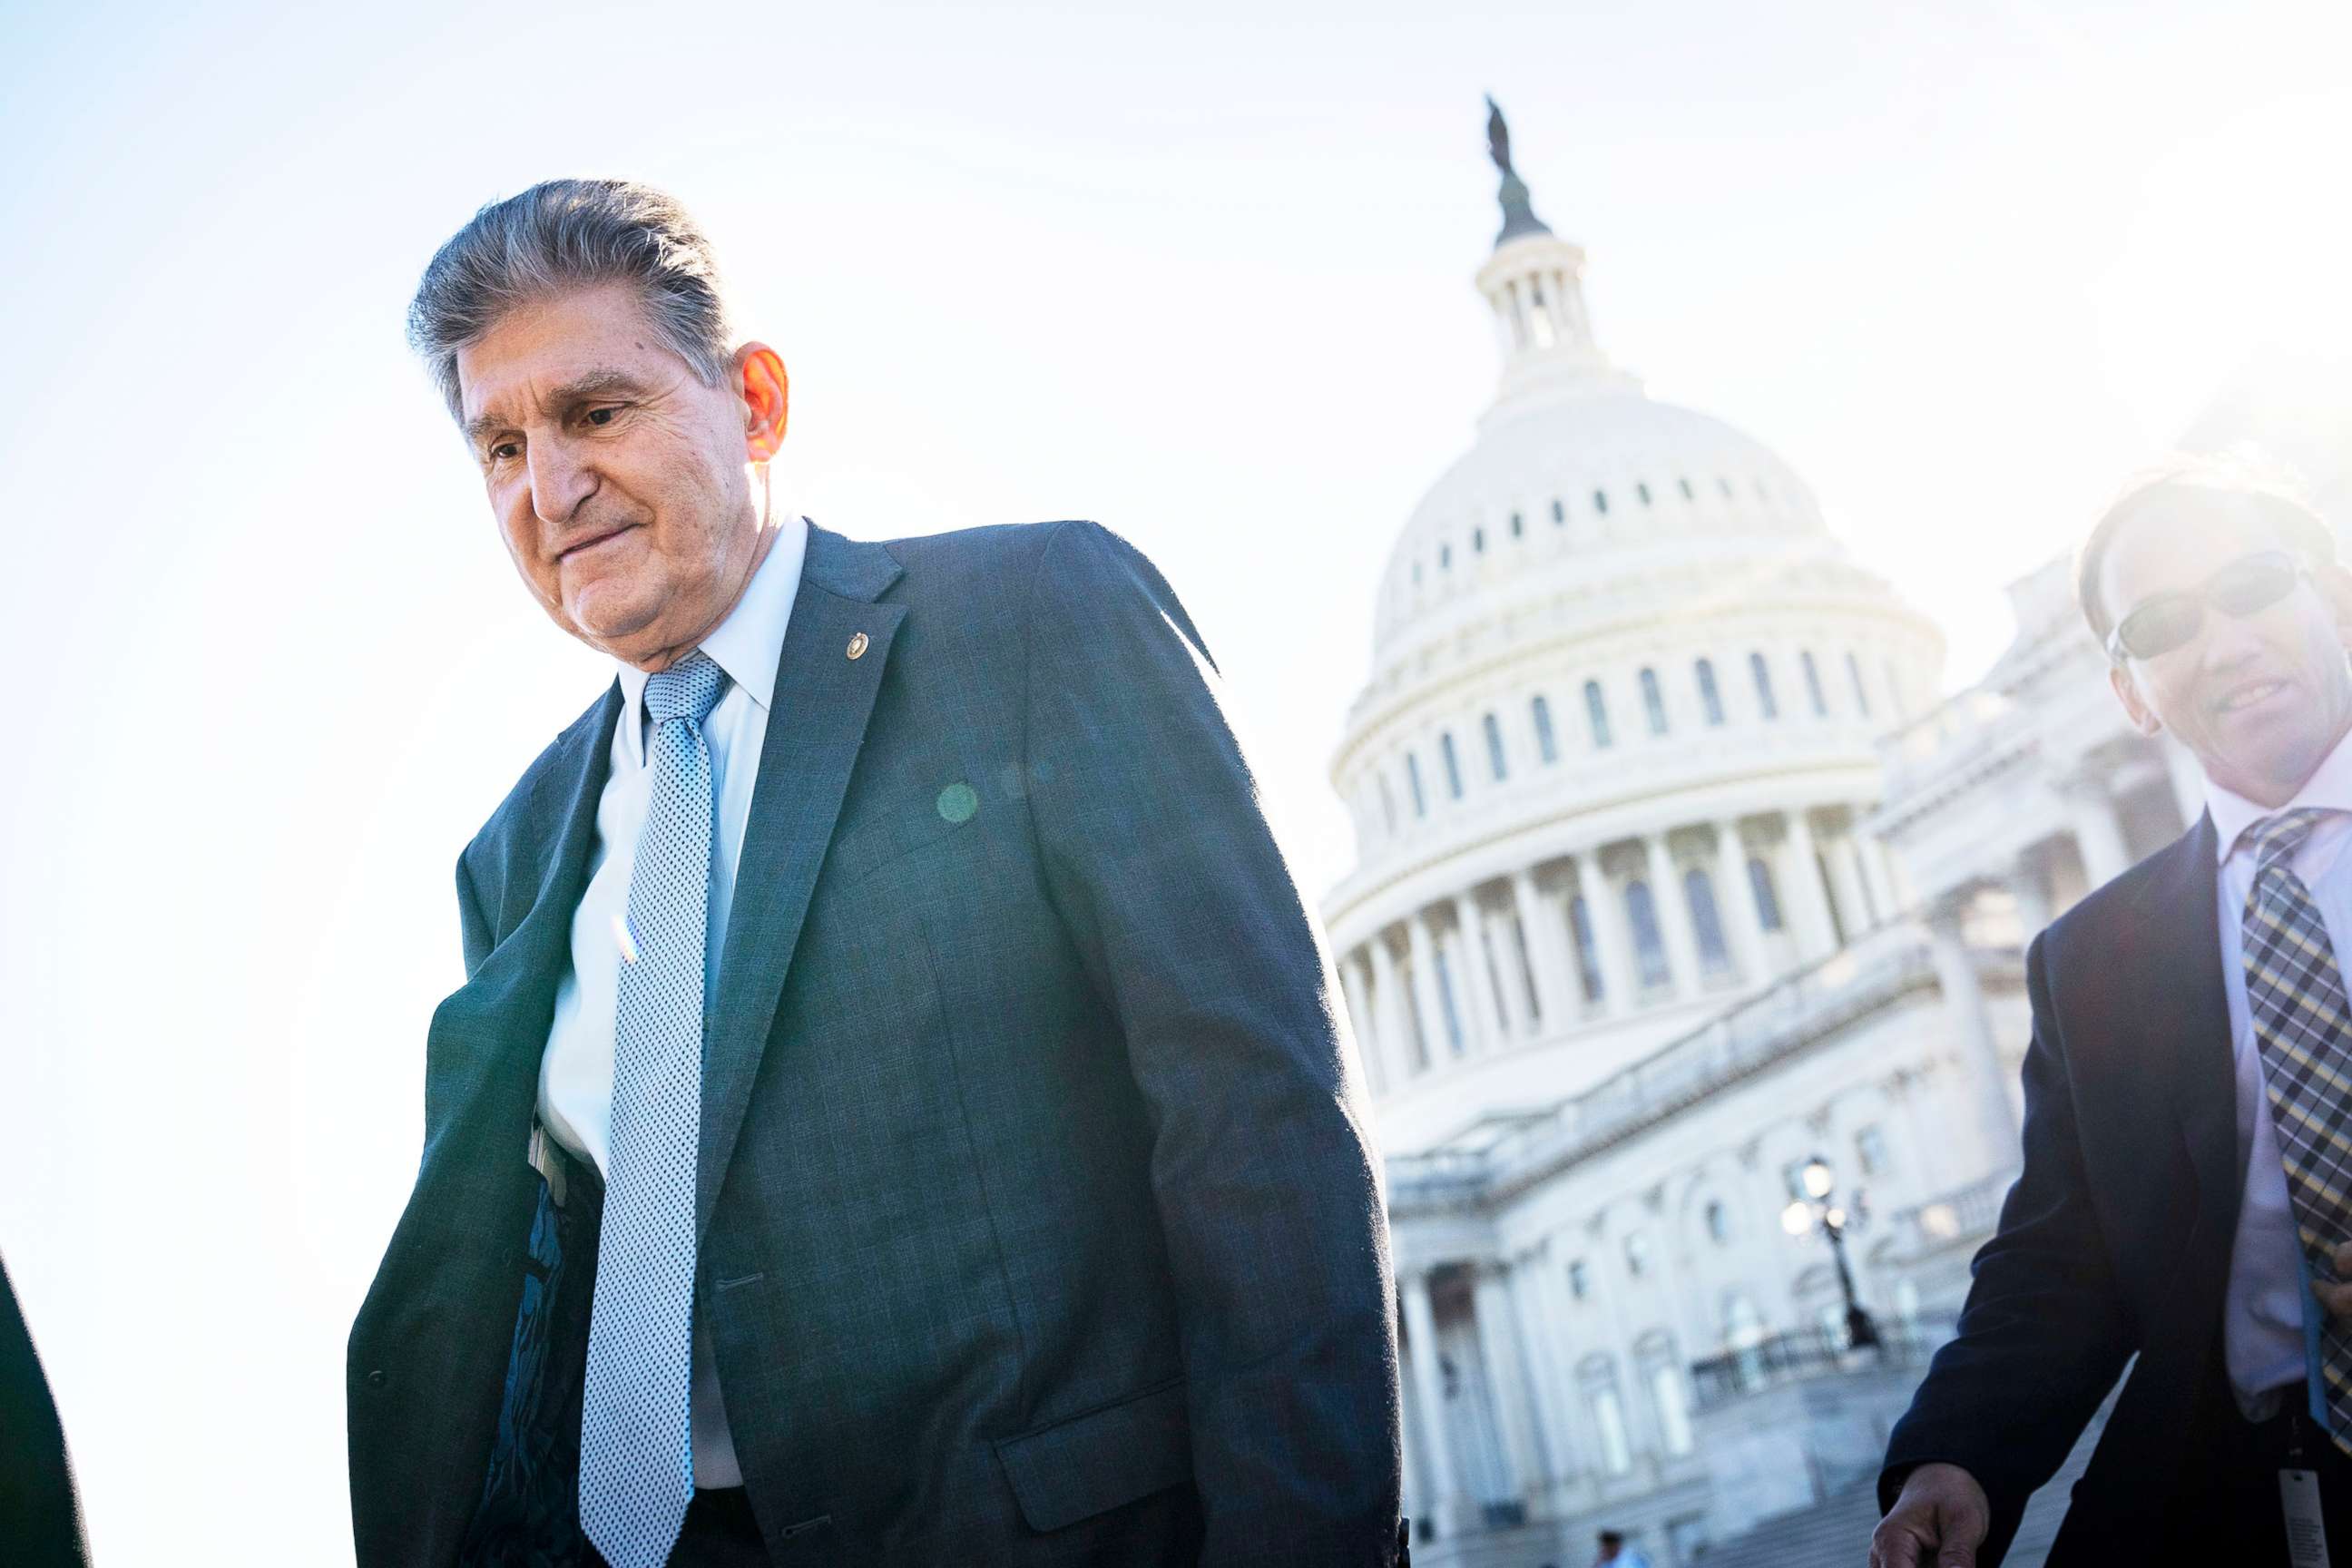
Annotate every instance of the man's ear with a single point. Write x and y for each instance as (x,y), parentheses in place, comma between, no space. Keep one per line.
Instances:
(767,400)
(2334,585)
(2143,717)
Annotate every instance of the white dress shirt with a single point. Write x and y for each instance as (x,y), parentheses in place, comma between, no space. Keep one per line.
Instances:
(2262,1326)
(575,1074)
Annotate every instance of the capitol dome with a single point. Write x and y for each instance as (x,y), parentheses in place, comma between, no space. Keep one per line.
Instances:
(1609,764)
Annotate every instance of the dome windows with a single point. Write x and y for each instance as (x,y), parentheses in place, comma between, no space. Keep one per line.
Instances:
(1654,702)
(1761,674)
(1813,684)
(1547,744)
(1495,761)
(1724,485)
(1518,526)
(1688,494)
(1413,779)
(1649,945)
(1853,675)
(1707,922)
(1760,888)
(1559,512)
(1601,502)
(1445,558)
(1478,542)
(1641,488)
(1710,700)
(1453,765)
(1596,711)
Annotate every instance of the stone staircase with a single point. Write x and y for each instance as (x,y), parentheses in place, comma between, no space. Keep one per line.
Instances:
(1835,1532)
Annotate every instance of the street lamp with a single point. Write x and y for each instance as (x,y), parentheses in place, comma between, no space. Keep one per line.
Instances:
(1816,1211)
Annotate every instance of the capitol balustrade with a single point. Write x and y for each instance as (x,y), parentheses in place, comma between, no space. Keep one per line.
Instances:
(1777,1022)
(1804,1355)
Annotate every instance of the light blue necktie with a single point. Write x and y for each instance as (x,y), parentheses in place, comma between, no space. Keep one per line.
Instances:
(637,1442)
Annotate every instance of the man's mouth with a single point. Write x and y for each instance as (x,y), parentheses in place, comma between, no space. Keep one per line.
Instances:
(593,541)
(2251,694)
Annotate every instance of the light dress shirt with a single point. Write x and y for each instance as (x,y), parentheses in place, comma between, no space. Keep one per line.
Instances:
(2261,1325)
(575,1074)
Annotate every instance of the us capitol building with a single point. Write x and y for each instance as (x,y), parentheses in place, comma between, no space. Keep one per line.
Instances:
(1686,926)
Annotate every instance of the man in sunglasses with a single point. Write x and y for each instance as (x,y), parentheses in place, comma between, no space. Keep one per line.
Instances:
(2187,1192)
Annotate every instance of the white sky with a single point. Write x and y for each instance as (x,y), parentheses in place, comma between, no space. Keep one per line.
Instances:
(1202,272)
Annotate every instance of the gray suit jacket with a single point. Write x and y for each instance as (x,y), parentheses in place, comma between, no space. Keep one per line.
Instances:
(1031,1182)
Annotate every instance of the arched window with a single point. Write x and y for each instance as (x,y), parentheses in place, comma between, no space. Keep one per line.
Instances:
(1588,959)
(1687,495)
(1718,1222)
(1706,923)
(1388,802)
(1494,746)
(1710,700)
(1654,702)
(1547,743)
(1413,777)
(1813,684)
(1478,542)
(1643,490)
(1559,513)
(1601,502)
(1860,692)
(1649,947)
(1762,675)
(1760,888)
(1518,525)
(1596,709)
(1453,765)
(1446,1005)
(1446,557)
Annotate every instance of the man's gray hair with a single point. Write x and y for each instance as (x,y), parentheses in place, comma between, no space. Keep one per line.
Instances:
(2244,469)
(570,234)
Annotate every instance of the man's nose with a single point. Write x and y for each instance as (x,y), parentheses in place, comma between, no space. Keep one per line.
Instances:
(2228,641)
(560,481)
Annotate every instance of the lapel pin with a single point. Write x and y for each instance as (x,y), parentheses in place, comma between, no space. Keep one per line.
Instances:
(857,645)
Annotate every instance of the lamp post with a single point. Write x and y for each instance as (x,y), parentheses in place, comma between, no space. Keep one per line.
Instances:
(1815,1211)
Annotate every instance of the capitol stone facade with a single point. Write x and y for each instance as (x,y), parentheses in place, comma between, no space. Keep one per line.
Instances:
(1674,873)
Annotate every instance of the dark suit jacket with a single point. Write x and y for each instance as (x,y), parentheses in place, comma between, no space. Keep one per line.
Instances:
(41,1519)
(1031,1182)
(2116,1237)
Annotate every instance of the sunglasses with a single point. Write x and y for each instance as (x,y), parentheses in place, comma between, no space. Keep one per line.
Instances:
(2168,621)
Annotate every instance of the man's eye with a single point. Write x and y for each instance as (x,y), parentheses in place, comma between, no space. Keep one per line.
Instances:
(504,451)
(601,416)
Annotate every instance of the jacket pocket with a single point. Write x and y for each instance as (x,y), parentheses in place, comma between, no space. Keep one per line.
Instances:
(1089,1464)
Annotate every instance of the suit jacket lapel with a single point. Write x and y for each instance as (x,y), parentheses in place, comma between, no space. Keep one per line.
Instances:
(2174,963)
(816,726)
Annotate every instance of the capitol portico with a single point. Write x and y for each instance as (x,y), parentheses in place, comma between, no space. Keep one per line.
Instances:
(1676,873)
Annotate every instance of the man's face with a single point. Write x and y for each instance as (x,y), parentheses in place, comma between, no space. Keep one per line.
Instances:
(619,480)
(2259,699)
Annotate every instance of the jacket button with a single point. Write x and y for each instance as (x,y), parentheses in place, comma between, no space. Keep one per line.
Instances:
(376,1378)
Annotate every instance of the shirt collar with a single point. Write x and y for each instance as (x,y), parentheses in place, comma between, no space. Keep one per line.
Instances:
(747,645)
(2329,788)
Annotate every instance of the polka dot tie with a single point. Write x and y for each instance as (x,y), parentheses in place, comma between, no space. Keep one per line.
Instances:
(2303,1029)
(636,1447)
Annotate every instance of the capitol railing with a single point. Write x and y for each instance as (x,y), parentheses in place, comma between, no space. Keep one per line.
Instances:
(1799,1355)
(1734,1045)
(1961,1214)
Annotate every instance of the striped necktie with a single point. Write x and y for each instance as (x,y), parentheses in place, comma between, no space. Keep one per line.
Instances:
(636,1447)
(2302,1027)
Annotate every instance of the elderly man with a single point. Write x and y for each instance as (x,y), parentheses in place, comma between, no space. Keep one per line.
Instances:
(2187,1193)
(896,1113)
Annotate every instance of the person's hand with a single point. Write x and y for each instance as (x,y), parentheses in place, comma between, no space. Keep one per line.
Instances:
(1938,1521)
(2337,1298)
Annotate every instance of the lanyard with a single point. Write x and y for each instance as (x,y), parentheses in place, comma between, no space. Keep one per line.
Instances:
(2315,1387)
